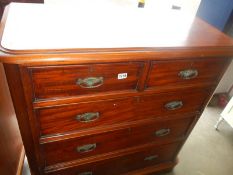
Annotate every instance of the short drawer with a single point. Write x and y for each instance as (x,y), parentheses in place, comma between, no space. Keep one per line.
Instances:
(185,72)
(76,117)
(146,157)
(167,104)
(74,80)
(153,131)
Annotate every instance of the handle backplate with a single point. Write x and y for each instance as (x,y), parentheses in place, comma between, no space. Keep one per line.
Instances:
(90,82)
(86,148)
(150,158)
(86,173)
(173,105)
(88,117)
(188,74)
(162,132)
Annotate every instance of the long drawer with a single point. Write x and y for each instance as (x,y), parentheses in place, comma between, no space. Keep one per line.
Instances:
(184,72)
(171,103)
(149,156)
(76,117)
(153,131)
(74,80)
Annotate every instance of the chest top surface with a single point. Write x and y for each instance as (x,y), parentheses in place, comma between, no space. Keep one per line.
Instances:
(38,26)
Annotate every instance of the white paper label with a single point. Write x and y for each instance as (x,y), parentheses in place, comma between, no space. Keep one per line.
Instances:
(122,76)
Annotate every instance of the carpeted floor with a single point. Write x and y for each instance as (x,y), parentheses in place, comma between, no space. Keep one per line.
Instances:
(206,152)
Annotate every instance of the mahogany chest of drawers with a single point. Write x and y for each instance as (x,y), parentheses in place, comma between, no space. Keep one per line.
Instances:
(112,111)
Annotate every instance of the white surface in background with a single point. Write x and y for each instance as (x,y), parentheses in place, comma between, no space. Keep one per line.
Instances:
(91,24)
(226,81)
(190,6)
(227,113)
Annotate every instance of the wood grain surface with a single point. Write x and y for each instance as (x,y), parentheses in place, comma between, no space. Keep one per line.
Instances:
(11,146)
(74,114)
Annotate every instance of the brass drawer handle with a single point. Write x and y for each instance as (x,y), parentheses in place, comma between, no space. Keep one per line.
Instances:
(150,158)
(86,148)
(173,105)
(162,132)
(90,82)
(88,117)
(188,74)
(86,173)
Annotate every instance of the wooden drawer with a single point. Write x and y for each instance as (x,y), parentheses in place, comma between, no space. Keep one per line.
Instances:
(148,156)
(86,146)
(185,72)
(76,117)
(73,80)
(172,103)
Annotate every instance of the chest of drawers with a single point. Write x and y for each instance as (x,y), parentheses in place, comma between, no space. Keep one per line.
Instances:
(117,110)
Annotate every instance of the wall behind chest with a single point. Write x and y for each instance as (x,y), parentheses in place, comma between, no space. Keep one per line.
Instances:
(215,12)
(3,3)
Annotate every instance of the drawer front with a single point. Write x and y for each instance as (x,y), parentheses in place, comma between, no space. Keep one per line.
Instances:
(57,120)
(63,81)
(70,118)
(172,103)
(148,157)
(180,72)
(86,146)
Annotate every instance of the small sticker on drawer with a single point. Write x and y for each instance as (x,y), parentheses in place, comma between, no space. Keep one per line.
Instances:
(122,76)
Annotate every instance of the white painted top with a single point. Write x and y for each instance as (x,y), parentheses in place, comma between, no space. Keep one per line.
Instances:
(46,26)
